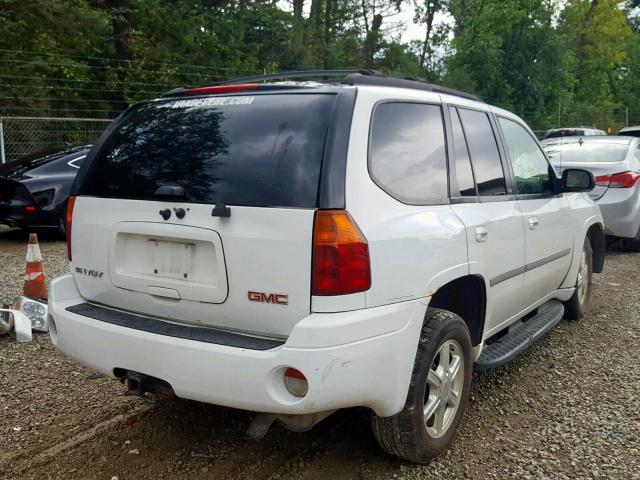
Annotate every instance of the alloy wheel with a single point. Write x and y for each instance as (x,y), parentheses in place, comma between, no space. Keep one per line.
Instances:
(445,382)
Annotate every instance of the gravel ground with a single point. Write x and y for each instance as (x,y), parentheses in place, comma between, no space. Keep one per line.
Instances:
(569,407)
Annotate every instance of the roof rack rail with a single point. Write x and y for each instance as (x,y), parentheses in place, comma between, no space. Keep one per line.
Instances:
(414,83)
(299,74)
(349,77)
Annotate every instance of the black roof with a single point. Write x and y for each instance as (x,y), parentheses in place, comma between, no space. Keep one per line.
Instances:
(348,77)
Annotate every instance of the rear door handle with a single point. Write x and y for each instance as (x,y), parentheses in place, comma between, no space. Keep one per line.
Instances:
(481,234)
(533,222)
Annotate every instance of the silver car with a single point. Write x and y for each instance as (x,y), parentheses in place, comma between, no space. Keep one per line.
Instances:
(630,131)
(615,164)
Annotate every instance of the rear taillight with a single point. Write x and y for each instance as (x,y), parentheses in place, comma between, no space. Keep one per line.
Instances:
(340,255)
(68,220)
(618,180)
(624,180)
(603,180)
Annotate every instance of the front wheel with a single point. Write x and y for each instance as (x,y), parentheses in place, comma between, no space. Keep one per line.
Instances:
(576,306)
(438,393)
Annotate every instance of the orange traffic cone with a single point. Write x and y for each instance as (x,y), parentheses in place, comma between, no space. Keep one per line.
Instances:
(35,285)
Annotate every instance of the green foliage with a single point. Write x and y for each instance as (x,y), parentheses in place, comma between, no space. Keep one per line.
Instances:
(551,61)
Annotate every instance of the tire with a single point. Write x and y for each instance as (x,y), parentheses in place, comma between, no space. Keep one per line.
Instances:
(407,435)
(576,306)
(630,244)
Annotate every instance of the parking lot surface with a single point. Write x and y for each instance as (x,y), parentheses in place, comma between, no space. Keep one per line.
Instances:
(569,407)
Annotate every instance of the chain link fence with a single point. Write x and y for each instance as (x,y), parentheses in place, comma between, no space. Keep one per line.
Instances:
(20,136)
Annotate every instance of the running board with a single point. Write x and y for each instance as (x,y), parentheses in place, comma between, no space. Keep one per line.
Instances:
(520,336)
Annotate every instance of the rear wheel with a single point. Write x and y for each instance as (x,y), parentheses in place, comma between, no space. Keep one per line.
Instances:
(630,244)
(576,306)
(438,393)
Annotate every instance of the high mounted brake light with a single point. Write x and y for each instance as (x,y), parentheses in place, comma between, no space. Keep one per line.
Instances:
(340,255)
(68,220)
(241,87)
(618,180)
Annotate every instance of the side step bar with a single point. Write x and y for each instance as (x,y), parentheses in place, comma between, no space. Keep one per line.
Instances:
(520,336)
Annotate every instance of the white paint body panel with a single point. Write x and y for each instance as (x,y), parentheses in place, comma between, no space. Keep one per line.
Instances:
(354,358)
(414,250)
(258,249)
(500,253)
(548,231)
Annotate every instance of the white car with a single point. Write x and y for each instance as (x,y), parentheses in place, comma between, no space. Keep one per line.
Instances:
(294,248)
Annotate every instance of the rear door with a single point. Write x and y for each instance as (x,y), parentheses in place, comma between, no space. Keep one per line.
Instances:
(200,210)
(547,216)
(495,233)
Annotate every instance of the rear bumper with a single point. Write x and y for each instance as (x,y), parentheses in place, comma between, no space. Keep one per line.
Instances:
(359,358)
(620,209)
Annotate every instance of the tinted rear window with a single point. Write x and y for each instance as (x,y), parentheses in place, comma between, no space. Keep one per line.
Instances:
(564,133)
(262,150)
(586,152)
(407,156)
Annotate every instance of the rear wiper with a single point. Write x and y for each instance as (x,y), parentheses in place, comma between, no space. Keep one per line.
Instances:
(221,210)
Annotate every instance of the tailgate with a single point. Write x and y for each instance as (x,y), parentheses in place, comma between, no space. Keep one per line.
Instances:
(149,199)
(249,272)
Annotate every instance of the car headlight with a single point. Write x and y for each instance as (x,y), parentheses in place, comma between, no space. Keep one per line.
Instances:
(35,310)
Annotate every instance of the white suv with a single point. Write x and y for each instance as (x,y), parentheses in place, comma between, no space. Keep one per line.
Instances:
(294,248)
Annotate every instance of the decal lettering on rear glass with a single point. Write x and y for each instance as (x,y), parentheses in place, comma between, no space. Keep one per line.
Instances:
(212,102)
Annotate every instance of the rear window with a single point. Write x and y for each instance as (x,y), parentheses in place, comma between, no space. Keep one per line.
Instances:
(564,133)
(586,152)
(262,150)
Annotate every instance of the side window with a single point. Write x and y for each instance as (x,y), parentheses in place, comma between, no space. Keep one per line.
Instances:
(484,153)
(530,166)
(464,174)
(407,157)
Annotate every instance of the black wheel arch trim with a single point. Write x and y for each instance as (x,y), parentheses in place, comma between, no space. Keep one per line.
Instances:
(598,245)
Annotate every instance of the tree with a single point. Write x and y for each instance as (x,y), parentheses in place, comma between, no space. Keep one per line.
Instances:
(596,32)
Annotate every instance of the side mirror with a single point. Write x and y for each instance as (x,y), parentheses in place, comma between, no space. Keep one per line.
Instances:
(577,180)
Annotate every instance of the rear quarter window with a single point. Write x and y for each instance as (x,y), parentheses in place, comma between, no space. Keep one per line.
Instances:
(260,150)
(407,155)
